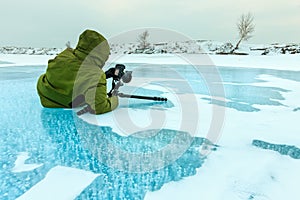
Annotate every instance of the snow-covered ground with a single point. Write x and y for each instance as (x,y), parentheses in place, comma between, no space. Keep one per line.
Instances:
(236,170)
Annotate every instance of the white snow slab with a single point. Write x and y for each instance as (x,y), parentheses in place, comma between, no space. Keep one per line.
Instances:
(236,174)
(170,118)
(20,165)
(60,183)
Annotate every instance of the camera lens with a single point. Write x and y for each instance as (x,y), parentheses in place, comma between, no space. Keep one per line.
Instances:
(126,78)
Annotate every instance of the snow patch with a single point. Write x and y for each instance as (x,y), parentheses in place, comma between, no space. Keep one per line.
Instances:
(60,183)
(20,165)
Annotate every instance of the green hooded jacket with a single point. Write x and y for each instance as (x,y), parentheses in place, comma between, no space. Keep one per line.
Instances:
(75,76)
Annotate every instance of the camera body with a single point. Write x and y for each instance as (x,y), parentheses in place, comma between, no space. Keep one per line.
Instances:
(121,69)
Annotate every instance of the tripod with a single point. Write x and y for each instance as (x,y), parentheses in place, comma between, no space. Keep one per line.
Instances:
(115,91)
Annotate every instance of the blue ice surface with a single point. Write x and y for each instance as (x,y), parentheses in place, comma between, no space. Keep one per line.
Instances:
(283,149)
(296,109)
(233,82)
(55,136)
(51,138)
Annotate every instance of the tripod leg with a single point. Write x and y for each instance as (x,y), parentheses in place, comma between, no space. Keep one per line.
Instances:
(142,97)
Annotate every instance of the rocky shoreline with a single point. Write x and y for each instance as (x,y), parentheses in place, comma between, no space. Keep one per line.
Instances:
(189,47)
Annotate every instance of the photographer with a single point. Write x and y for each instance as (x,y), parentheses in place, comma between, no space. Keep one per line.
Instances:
(75,77)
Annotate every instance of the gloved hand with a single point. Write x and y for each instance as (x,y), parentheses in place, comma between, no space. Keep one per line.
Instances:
(113,93)
(110,73)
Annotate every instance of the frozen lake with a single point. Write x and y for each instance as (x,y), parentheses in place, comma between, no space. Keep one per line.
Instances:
(54,154)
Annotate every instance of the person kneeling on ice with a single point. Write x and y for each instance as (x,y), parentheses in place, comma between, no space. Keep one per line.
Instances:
(75,77)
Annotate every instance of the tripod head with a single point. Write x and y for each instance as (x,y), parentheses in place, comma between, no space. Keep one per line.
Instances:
(117,82)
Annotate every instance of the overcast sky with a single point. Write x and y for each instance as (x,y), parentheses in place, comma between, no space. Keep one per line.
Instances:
(52,23)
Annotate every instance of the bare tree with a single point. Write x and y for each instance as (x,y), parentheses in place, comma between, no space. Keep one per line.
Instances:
(246,27)
(143,40)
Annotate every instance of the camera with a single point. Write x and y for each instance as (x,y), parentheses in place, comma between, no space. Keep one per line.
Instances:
(118,80)
(125,76)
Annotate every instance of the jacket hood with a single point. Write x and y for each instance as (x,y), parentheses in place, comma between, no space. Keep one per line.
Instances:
(92,47)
